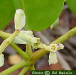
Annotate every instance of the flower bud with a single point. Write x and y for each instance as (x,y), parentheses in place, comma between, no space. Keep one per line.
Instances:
(1,60)
(19,19)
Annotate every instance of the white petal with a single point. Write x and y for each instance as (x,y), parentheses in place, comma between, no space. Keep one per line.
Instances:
(1,60)
(19,19)
(30,33)
(52,58)
(61,46)
(26,37)
(19,40)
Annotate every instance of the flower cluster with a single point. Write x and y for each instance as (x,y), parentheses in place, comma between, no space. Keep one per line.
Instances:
(23,37)
(27,37)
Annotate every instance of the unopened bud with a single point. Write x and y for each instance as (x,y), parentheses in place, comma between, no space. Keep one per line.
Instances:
(19,19)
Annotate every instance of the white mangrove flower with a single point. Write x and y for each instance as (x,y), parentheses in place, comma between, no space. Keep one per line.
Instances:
(24,37)
(1,60)
(52,55)
(19,19)
(55,47)
(27,37)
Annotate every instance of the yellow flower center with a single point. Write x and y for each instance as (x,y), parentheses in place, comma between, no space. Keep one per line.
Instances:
(53,47)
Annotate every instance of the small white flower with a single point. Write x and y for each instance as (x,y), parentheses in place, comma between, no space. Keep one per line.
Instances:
(19,19)
(55,47)
(1,60)
(21,39)
(52,58)
(52,55)
(27,37)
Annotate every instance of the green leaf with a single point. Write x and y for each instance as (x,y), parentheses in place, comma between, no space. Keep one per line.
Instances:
(6,12)
(40,14)
(72,5)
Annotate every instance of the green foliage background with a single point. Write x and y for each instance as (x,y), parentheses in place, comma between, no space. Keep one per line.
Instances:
(72,5)
(40,14)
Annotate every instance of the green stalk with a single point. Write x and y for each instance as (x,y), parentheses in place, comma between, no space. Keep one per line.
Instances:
(8,41)
(4,35)
(29,52)
(66,36)
(17,49)
(40,53)
(24,71)
(14,68)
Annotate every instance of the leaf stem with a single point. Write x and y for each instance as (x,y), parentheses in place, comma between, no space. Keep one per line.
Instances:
(29,52)
(24,70)
(17,49)
(15,67)
(40,53)
(8,41)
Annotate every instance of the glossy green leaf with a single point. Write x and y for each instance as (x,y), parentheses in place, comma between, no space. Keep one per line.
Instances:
(40,14)
(6,10)
(72,5)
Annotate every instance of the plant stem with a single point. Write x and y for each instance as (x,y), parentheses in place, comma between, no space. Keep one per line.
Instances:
(14,68)
(17,49)
(4,35)
(40,53)
(66,36)
(8,41)
(24,71)
(29,52)
(32,67)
